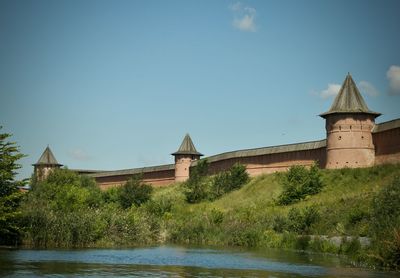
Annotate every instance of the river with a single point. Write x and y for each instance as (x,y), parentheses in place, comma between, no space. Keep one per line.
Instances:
(176,261)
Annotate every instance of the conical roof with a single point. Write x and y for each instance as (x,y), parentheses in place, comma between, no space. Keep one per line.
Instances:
(187,147)
(47,158)
(349,100)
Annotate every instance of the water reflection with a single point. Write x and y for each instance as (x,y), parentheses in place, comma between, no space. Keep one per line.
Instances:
(175,262)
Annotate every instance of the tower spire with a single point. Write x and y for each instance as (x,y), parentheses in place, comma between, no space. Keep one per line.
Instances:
(187,147)
(349,100)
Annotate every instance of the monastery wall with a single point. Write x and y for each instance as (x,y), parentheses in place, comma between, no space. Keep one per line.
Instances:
(156,176)
(386,138)
(270,159)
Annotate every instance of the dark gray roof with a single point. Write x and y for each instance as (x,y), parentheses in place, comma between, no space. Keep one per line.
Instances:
(386,126)
(86,171)
(134,171)
(187,147)
(349,100)
(47,158)
(267,150)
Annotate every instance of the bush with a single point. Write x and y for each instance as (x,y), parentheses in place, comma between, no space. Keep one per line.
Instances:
(300,221)
(237,177)
(386,208)
(300,182)
(68,210)
(385,225)
(197,186)
(134,192)
(63,211)
(228,181)
(111,195)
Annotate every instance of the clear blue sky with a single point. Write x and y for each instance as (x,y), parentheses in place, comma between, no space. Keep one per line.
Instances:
(117,84)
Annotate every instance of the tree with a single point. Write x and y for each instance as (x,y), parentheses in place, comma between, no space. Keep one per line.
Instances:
(228,181)
(134,192)
(300,182)
(9,194)
(197,187)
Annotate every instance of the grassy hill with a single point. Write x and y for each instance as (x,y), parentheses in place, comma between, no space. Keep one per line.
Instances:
(251,216)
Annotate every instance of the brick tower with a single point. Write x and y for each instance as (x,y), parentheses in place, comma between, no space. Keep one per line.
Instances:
(46,163)
(349,123)
(184,157)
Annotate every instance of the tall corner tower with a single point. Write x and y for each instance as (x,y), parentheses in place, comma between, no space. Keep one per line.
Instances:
(184,157)
(349,124)
(46,163)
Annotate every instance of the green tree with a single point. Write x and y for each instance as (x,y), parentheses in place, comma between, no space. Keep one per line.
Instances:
(134,192)
(300,182)
(9,194)
(63,211)
(197,186)
(227,181)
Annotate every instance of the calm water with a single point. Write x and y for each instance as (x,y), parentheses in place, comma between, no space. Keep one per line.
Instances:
(173,261)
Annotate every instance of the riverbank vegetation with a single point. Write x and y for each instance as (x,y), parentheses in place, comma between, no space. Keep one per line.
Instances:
(328,211)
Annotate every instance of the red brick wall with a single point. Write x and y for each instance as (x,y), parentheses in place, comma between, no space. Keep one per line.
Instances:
(387,150)
(387,146)
(156,178)
(264,164)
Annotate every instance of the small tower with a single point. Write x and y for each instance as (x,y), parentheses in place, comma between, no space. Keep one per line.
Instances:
(349,123)
(46,163)
(184,157)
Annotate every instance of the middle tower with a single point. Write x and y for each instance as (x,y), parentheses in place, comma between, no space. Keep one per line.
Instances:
(184,157)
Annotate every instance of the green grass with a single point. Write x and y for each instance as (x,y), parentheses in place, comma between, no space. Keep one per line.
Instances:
(251,216)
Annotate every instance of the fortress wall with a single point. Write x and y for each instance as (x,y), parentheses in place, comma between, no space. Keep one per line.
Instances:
(270,163)
(386,138)
(111,181)
(159,178)
(156,178)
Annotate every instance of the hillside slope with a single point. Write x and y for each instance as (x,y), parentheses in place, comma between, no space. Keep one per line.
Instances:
(250,216)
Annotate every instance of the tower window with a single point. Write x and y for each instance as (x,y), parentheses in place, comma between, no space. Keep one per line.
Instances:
(340,137)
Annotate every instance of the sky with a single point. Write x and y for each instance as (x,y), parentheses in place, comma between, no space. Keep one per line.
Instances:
(117,84)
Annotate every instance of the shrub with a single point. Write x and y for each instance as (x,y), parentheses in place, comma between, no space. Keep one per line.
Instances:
(63,211)
(197,186)
(111,195)
(385,225)
(219,185)
(228,181)
(298,183)
(386,208)
(237,177)
(134,192)
(300,221)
